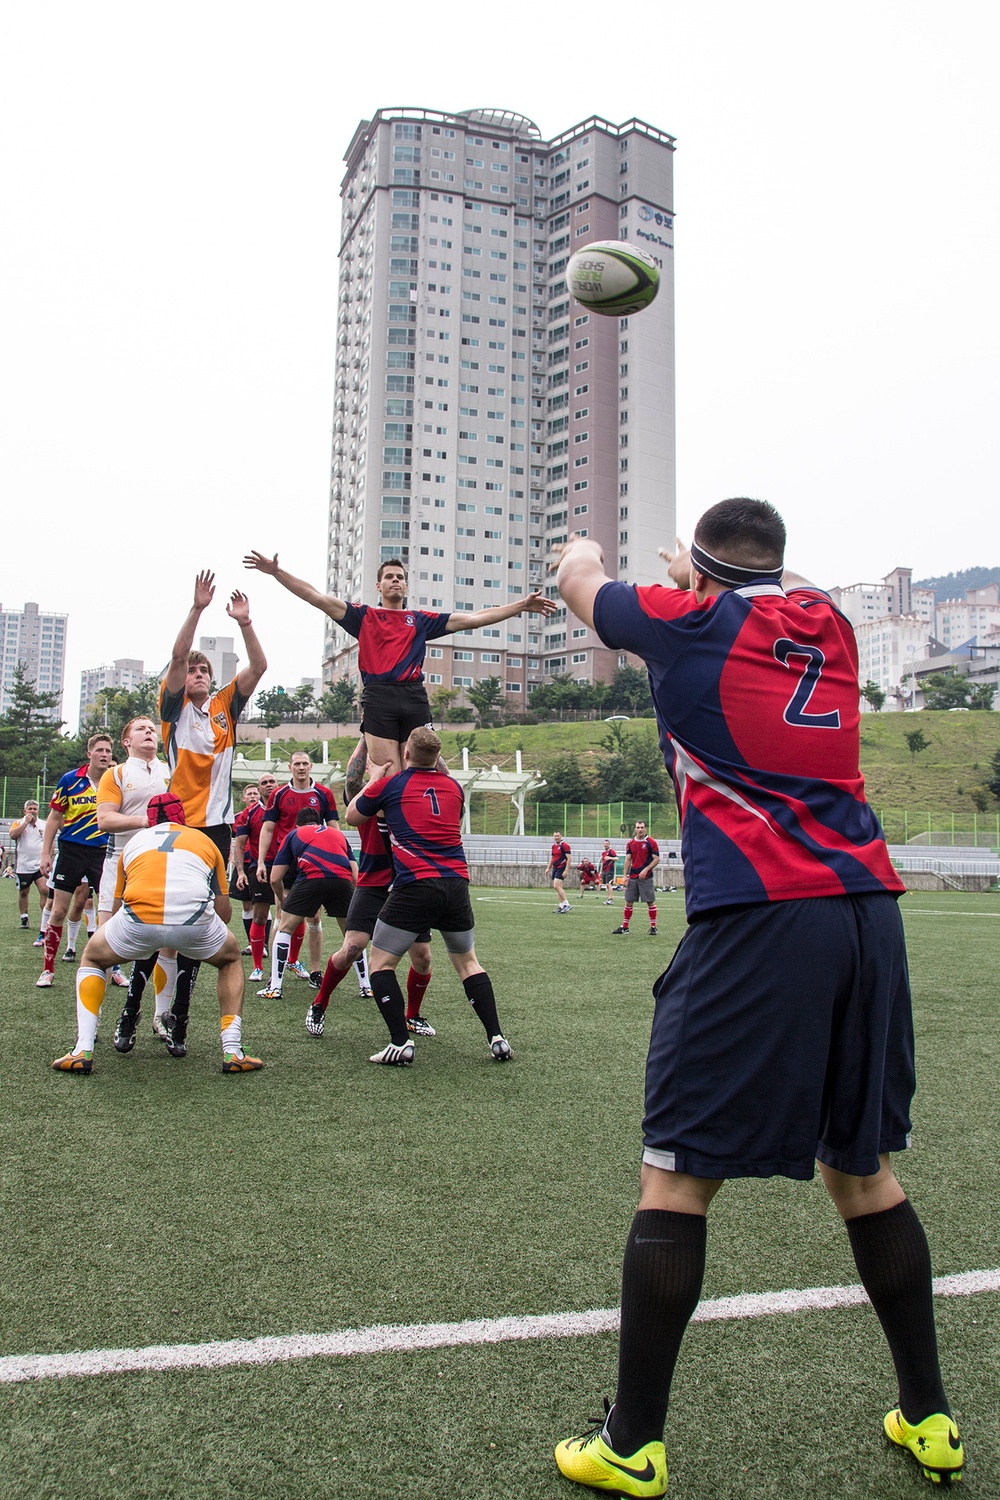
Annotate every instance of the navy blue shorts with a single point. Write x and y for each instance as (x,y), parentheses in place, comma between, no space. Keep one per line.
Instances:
(782,1033)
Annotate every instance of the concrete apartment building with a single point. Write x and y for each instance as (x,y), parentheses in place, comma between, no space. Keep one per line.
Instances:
(38,642)
(976,617)
(480,414)
(124,674)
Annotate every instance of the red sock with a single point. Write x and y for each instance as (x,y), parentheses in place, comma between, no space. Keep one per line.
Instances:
(257,931)
(53,937)
(652,916)
(416,985)
(626,916)
(331,978)
(295,947)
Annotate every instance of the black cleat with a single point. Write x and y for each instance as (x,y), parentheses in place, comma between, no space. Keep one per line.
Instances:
(125,1031)
(176,1039)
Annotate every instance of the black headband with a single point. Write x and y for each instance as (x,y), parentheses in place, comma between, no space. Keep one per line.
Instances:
(729,573)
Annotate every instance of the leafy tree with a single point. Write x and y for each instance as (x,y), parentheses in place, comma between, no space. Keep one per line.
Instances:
(873,695)
(339,702)
(272,707)
(465,741)
(944,690)
(113,708)
(993,779)
(28,733)
(630,690)
(303,701)
(487,699)
(634,771)
(980,799)
(441,701)
(917,741)
(982,696)
(565,781)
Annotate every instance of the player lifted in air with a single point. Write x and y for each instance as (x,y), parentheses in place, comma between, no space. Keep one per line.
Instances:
(391,644)
(782,1032)
(422,807)
(172,887)
(642,855)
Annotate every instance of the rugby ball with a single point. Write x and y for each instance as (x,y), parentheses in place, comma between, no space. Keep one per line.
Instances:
(613,277)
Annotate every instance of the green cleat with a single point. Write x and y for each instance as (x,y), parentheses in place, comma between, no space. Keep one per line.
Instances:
(592,1461)
(934,1443)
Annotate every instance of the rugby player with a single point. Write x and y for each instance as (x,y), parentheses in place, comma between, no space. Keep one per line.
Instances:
(245,856)
(319,868)
(642,855)
(73,816)
(422,807)
(391,644)
(608,858)
(27,838)
(782,1032)
(172,887)
(555,870)
(279,820)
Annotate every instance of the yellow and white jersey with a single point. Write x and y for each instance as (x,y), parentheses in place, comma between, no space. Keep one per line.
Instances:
(170,875)
(128,788)
(200,746)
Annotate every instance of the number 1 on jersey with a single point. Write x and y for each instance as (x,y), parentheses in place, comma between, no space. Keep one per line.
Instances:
(435,807)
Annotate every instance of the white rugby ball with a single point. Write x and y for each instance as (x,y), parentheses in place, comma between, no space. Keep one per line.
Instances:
(613,277)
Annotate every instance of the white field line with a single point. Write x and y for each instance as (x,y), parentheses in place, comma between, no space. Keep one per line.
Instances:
(930,911)
(387,1338)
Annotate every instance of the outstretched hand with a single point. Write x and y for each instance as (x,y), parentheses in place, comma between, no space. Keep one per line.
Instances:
(261,563)
(678,563)
(238,608)
(537,604)
(204,589)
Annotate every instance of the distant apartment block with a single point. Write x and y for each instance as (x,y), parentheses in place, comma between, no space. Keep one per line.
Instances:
(38,642)
(974,618)
(480,415)
(124,674)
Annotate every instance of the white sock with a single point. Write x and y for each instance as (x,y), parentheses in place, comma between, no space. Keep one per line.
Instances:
(45,919)
(91,923)
(89,982)
(72,928)
(232,1034)
(361,969)
(167,967)
(279,957)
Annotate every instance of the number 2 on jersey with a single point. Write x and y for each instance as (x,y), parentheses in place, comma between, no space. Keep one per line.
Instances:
(795,710)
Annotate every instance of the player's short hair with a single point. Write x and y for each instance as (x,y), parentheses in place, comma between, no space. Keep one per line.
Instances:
(298,754)
(390,562)
(128,727)
(198,659)
(95,739)
(30,803)
(308,815)
(748,533)
(424,746)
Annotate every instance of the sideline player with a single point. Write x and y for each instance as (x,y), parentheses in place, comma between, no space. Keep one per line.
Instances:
(317,863)
(172,886)
(279,821)
(73,816)
(256,892)
(642,855)
(422,807)
(391,644)
(791,897)
(609,858)
(555,870)
(375,871)
(27,839)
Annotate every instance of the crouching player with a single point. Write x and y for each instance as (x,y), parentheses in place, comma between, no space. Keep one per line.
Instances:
(172,884)
(315,868)
(422,807)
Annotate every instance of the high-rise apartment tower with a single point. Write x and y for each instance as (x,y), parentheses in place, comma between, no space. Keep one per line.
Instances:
(481,414)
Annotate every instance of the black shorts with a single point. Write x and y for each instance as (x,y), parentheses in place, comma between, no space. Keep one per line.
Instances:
(254,890)
(27,878)
(78,864)
(782,1033)
(307,896)
(421,904)
(391,710)
(222,837)
(366,908)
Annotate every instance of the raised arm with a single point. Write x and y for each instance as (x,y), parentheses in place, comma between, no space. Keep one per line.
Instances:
(335,608)
(204,592)
(238,609)
(581,576)
(535,604)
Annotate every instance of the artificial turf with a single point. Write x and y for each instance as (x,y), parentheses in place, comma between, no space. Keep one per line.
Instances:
(158,1201)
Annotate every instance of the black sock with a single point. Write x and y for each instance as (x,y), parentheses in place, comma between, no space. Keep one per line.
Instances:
(142,969)
(661,1283)
(187,973)
(389,999)
(247,923)
(479,989)
(894,1262)
(267,934)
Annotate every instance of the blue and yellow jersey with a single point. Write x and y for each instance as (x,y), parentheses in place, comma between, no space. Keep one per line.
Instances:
(75,797)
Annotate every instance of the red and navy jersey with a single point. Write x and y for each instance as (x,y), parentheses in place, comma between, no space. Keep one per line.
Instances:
(756,696)
(287,802)
(423,811)
(559,857)
(375,859)
(608,858)
(315,853)
(392,642)
(248,824)
(641,852)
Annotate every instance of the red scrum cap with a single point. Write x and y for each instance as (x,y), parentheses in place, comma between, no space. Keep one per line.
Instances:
(165,808)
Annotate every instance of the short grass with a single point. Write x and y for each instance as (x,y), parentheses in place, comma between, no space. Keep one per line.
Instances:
(159,1201)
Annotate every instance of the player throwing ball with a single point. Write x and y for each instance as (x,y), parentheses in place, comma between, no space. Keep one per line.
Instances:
(422,807)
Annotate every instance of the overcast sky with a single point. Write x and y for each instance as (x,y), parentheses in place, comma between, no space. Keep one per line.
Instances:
(169,186)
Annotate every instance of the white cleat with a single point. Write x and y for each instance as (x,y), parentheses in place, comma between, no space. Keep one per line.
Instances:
(393,1056)
(500,1047)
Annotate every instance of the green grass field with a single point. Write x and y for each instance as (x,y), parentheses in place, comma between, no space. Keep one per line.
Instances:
(160,1202)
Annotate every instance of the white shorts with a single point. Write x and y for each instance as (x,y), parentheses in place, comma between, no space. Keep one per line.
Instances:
(131,939)
(109,879)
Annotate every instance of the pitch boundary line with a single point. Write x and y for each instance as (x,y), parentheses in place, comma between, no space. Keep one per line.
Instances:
(405,1338)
